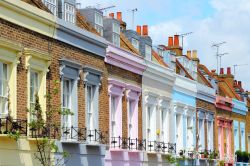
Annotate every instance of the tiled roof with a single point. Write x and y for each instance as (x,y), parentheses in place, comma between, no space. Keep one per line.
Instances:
(159,59)
(178,64)
(125,43)
(204,78)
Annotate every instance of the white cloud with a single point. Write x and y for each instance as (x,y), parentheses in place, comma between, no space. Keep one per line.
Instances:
(229,23)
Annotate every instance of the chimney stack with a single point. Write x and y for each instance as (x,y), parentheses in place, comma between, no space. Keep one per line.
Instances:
(189,54)
(119,16)
(176,40)
(221,70)
(112,15)
(138,29)
(145,30)
(170,41)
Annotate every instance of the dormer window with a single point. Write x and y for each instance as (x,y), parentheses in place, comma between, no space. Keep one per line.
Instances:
(148,52)
(116,34)
(69,13)
(51,5)
(135,43)
(99,23)
(160,52)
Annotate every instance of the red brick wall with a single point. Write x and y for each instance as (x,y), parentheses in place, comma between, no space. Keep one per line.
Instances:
(58,50)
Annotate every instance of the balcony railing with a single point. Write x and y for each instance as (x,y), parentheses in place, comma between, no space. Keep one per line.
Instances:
(127,143)
(12,126)
(44,132)
(162,147)
(84,135)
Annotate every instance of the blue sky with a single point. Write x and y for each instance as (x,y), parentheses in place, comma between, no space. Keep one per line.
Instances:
(212,21)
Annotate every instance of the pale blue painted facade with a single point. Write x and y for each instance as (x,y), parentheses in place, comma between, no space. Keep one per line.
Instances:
(236,135)
(184,98)
(239,107)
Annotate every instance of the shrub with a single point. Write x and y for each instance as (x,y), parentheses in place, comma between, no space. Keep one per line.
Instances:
(238,153)
(245,157)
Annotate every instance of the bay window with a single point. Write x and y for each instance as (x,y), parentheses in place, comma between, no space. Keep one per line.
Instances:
(148,52)
(3,89)
(135,43)
(69,13)
(116,34)
(99,23)
(51,5)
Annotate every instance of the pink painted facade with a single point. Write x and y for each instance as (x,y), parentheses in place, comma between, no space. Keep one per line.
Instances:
(121,152)
(224,127)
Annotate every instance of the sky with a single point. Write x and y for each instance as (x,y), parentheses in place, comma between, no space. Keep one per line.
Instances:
(211,21)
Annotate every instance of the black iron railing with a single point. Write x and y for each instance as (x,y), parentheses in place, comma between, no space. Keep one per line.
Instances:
(84,135)
(162,147)
(127,143)
(44,132)
(12,126)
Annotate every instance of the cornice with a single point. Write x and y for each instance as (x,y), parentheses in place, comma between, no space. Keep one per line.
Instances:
(124,59)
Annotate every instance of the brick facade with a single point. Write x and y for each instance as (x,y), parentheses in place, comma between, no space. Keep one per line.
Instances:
(58,50)
(211,107)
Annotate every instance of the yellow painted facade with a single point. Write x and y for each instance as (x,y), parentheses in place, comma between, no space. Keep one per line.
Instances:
(39,62)
(10,53)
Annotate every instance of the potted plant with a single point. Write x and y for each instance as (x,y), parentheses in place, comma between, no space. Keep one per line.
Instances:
(245,157)
(238,154)
(202,154)
(181,153)
(170,159)
(206,154)
(221,163)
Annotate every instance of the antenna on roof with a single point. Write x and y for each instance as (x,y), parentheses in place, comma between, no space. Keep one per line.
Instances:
(217,45)
(107,8)
(238,65)
(133,16)
(184,35)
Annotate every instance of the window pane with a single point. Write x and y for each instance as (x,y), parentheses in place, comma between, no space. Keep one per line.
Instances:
(135,43)
(148,52)
(69,13)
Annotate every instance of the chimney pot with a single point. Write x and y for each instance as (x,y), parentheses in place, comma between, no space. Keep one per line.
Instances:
(189,54)
(235,82)
(112,15)
(221,70)
(119,16)
(213,70)
(145,30)
(239,84)
(194,54)
(229,71)
(176,40)
(170,41)
(138,29)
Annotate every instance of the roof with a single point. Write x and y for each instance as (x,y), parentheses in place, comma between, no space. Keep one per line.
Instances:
(204,78)
(159,59)
(179,65)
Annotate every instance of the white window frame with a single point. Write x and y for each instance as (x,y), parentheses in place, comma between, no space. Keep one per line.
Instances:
(131,112)
(4,88)
(69,11)
(210,134)
(201,130)
(66,119)
(90,103)
(34,92)
(164,125)
(113,112)
(116,34)
(51,5)
(99,23)
(190,131)
(148,52)
(135,43)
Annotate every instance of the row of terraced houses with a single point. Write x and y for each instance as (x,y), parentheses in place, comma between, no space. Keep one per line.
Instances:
(131,103)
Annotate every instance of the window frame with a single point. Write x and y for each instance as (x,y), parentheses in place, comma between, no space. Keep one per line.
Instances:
(135,43)
(147,55)
(35,87)
(69,105)
(49,4)
(69,14)
(4,93)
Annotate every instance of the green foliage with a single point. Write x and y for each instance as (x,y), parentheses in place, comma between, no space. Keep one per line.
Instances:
(170,159)
(245,156)
(238,153)
(14,135)
(221,163)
